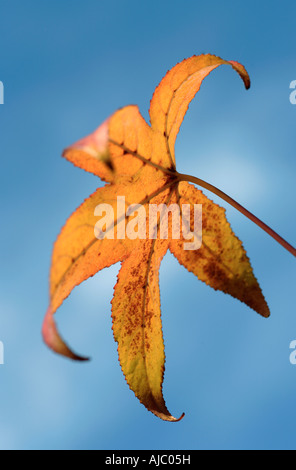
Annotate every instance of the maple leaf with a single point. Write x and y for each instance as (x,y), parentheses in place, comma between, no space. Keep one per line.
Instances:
(137,161)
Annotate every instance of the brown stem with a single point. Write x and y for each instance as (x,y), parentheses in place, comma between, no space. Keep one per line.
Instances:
(232,202)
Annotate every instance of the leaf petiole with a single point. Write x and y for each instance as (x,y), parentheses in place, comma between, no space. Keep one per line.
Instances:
(240,208)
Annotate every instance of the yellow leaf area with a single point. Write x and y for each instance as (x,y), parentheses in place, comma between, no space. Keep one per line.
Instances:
(137,161)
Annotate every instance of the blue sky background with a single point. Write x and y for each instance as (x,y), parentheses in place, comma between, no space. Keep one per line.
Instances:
(66,66)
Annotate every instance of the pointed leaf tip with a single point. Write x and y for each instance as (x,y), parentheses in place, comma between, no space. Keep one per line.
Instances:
(176,420)
(181,417)
(167,416)
(240,69)
(54,341)
(92,153)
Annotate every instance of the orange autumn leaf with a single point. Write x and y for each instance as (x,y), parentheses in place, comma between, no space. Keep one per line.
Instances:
(138,163)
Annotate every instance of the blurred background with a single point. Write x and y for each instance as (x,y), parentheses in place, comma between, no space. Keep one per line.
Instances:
(66,66)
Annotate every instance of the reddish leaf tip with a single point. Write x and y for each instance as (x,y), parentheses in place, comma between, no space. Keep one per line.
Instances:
(181,417)
(167,416)
(54,341)
(242,71)
(95,143)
